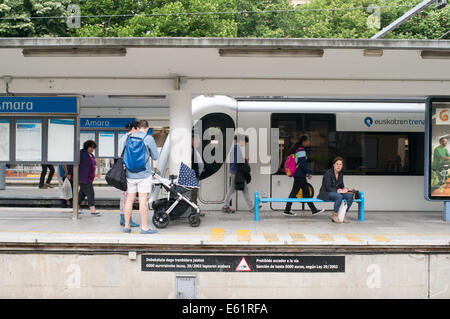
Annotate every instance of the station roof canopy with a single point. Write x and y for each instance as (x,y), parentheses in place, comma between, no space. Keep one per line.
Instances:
(237,66)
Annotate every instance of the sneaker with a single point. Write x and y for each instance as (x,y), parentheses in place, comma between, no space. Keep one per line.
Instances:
(96,214)
(289,213)
(127,230)
(149,231)
(318,211)
(227,210)
(122,221)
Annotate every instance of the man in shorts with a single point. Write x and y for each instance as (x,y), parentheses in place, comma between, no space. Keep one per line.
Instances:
(140,182)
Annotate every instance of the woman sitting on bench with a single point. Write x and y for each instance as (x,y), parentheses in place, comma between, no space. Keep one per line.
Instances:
(333,188)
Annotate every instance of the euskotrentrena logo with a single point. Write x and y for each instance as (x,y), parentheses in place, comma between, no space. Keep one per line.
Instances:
(368,121)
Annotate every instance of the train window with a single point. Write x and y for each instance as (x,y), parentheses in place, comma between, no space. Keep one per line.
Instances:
(374,153)
(320,128)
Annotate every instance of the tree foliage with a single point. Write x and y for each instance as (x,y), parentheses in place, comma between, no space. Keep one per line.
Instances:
(221,18)
(20,24)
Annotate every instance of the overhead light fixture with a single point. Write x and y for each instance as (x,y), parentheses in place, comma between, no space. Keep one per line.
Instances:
(435,54)
(136,97)
(75,52)
(277,52)
(373,52)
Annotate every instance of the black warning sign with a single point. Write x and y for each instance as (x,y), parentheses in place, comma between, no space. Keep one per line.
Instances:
(245,264)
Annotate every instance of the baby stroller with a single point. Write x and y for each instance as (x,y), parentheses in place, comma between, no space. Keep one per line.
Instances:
(176,204)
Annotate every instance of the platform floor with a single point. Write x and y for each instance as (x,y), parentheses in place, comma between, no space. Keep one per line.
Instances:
(55,225)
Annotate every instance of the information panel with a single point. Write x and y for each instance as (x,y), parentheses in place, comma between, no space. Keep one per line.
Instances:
(437,167)
(106,144)
(61,140)
(4,140)
(28,140)
(227,263)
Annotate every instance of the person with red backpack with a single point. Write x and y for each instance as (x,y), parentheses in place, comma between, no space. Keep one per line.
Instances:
(300,172)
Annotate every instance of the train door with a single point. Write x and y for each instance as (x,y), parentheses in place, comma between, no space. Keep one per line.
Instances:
(215,146)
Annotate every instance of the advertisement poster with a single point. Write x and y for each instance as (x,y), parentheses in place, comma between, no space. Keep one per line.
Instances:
(439,152)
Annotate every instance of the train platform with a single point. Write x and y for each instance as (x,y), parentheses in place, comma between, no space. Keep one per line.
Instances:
(33,227)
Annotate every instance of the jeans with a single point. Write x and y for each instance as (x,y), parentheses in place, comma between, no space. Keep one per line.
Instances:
(300,183)
(337,198)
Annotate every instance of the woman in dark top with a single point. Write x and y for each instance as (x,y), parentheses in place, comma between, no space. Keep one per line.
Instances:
(86,175)
(333,188)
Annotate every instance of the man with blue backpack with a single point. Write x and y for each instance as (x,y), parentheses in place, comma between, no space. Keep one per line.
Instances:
(137,150)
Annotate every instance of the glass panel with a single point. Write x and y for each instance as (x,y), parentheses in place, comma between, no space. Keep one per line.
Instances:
(61,140)
(86,136)
(4,140)
(29,140)
(120,135)
(106,144)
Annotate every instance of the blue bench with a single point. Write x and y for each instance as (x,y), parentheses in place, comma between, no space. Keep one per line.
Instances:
(259,200)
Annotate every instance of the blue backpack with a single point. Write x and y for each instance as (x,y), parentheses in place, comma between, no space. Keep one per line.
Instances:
(135,154)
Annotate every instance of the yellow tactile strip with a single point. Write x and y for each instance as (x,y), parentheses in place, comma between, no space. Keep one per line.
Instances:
(353,238)
(243,235)
(217,234)
(296,237)
(270,237)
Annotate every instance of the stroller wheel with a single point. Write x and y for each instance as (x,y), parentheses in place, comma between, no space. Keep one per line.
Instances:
(194,220)
(161,220)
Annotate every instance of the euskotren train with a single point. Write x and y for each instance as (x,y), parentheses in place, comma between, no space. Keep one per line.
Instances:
(381,141)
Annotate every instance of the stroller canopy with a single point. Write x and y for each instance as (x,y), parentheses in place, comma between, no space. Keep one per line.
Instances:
(187,178)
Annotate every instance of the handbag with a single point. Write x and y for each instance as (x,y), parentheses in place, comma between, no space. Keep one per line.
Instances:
(117,176)
(356,194)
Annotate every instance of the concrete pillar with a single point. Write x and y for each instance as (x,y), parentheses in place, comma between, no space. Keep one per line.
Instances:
(180,114)
(2,176)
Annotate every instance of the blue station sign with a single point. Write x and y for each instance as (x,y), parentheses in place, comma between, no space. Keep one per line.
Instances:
(105,123)
(39,104)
